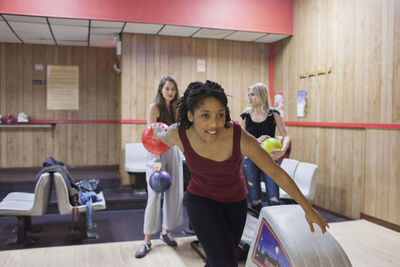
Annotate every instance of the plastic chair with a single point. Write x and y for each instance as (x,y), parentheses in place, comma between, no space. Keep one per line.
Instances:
(135,157)
(24,205)
(305,178)
(65,207)
(290,166)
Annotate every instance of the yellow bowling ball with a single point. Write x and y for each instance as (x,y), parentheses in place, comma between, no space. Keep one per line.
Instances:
(270,144)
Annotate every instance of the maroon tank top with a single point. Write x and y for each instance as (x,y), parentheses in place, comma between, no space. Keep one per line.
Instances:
(218,180)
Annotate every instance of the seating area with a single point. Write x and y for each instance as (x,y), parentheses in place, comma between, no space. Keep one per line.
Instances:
(135,158)
(24,205)
(304,175)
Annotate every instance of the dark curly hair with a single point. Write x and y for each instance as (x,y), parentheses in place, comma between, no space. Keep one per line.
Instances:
(194,94)
(165,116)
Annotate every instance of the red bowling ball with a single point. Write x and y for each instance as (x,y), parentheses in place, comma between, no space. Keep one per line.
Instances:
(153,146)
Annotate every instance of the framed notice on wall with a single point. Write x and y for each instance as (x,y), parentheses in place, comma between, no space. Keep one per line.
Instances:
(302,107)
(62,87)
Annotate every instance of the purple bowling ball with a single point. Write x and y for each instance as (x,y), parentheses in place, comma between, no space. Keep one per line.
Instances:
(160,181)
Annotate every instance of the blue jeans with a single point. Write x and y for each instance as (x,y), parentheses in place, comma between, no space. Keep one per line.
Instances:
(88,198)
(253,175)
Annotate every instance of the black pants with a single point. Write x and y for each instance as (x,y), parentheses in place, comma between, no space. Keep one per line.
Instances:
(218,226)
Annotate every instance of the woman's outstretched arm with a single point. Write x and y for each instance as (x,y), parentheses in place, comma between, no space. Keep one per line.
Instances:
(251,149)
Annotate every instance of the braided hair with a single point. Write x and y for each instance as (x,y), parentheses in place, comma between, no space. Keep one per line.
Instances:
(194,94)
(168,117)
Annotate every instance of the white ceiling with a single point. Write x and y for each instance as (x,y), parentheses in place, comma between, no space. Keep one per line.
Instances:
(96,33)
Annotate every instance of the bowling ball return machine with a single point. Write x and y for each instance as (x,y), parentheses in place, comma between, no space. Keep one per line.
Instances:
(281,236)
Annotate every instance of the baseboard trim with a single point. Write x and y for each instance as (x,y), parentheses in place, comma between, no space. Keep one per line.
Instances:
(97,167)
(380,222)
(332,212)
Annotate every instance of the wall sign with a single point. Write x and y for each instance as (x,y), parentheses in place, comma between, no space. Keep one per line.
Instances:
(302,107)
(62,87)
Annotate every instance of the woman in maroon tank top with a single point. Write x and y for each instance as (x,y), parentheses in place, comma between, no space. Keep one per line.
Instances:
(214,147)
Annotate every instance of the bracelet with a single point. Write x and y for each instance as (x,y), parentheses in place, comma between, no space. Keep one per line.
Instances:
(157,160)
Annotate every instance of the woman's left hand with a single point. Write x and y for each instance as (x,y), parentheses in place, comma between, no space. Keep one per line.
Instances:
(157,166)
(313,216)
(262,138)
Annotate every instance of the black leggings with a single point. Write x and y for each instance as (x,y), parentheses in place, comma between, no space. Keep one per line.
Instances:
(218,226)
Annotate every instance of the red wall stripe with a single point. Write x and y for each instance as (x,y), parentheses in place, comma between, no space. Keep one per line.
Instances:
(272,16)
(388,126)
(133,121)
(87,121)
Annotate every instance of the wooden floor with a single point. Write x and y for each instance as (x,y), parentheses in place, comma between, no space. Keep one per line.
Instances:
(365,243)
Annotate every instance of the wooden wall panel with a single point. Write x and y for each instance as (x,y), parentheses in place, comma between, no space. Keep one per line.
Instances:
(27,105)
(113,81)
(74,144)
(146,58)
(360,39)
(125,101)
(394,181)
(339,154)
(76,155)
(396,65)
(50,55)
(12,103)
(382,175)
(237,79)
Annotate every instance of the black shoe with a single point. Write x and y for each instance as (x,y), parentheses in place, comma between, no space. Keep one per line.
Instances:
(143,250)
(167,238)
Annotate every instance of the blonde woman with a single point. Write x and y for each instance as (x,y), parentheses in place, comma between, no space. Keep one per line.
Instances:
(261,120)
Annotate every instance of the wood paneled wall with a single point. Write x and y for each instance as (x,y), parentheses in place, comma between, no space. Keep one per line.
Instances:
(382,175)
(147,58)
(358,168)
(79,144)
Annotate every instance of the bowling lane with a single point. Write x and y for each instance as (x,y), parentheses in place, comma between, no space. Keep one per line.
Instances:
(366,243)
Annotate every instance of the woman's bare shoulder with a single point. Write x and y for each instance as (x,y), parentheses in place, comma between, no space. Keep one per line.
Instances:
(247,142)
(153,106)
